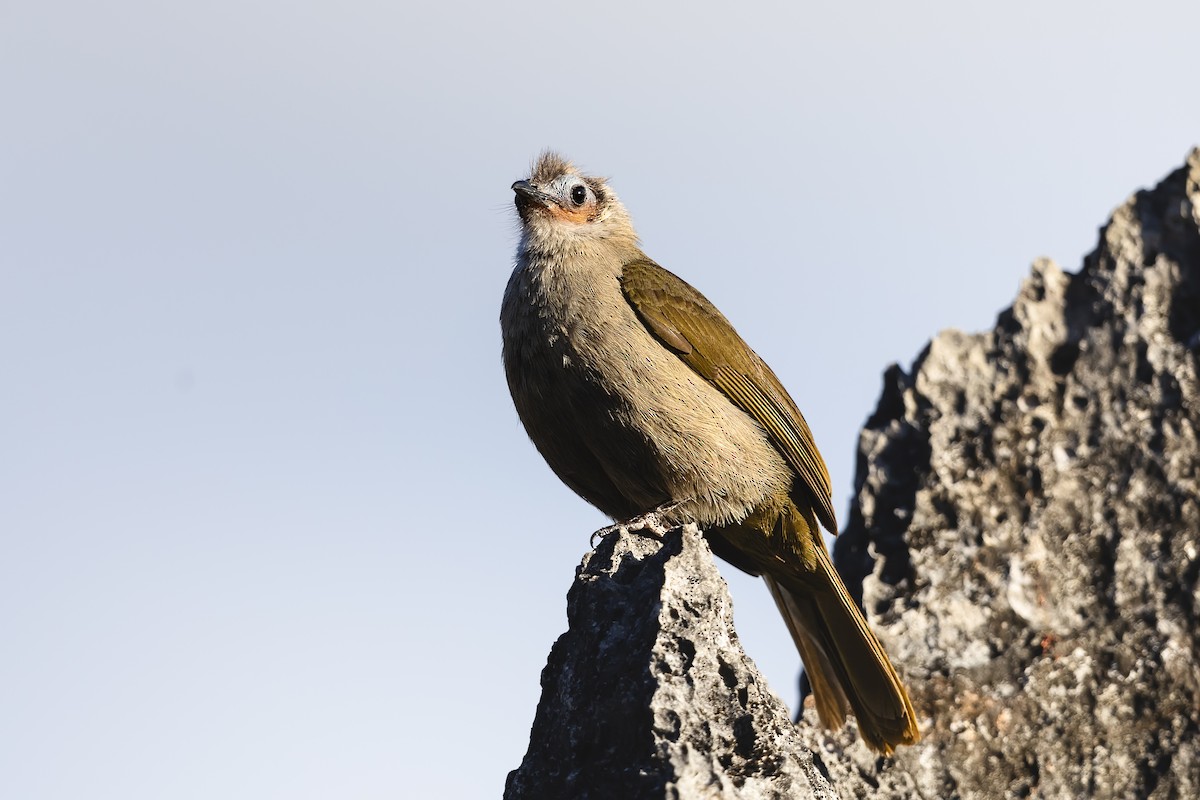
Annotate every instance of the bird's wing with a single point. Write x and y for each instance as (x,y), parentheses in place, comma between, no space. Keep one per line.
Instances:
(691,327)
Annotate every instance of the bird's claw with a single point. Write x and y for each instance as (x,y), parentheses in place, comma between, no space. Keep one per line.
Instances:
(649,525)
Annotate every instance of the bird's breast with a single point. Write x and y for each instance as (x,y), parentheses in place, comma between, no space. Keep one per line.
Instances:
(577,353)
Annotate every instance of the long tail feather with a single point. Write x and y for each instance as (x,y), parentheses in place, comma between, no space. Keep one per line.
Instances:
(847,666)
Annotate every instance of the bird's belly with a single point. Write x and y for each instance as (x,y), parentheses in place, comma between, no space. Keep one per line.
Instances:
(663,433)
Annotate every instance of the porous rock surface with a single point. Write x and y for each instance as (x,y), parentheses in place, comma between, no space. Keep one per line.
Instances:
(649,694)
(1026,541)
(1032,499)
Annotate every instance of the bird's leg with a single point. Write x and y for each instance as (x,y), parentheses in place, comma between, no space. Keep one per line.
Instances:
(651,524)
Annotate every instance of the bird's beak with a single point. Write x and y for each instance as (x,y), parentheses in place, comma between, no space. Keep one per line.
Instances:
(528,196)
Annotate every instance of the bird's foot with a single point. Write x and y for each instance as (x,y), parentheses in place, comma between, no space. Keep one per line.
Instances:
(651,524)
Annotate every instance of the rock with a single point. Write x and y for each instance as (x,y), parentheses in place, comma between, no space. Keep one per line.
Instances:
(649,694)
(1032,499)
(1025,539)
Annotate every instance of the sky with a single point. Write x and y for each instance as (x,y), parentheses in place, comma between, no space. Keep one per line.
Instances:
(269,525)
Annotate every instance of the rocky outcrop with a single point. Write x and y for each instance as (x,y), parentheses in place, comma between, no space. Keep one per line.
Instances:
(1032,499)
(649,694)
(1026,541)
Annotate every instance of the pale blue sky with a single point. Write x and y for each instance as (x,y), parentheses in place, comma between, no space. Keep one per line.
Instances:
(269,526)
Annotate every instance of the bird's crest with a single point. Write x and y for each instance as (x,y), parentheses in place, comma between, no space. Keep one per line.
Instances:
(548,166)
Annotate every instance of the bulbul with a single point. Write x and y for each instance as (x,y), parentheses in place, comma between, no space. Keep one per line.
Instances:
(644,400)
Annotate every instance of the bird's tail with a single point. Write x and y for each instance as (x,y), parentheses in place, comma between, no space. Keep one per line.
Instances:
(846,665)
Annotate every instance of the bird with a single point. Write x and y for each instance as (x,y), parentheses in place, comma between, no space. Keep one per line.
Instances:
(644,400)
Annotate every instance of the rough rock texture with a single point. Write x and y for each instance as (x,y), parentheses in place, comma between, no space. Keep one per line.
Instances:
(1032,496)
(1026,538)
(649,694)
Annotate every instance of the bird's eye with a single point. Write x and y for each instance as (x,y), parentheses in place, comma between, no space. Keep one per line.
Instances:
(578,194)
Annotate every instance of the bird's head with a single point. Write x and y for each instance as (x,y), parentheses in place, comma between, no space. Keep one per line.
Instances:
(560,208)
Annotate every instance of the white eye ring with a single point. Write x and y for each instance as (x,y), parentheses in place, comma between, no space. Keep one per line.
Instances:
(578,194)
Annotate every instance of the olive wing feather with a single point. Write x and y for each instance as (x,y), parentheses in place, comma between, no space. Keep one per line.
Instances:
(692,327)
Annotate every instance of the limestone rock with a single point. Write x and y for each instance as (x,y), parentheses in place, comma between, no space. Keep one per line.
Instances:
(649,694)
(1032,499)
